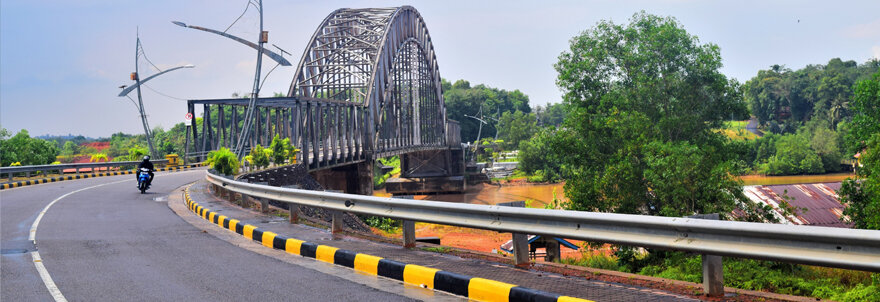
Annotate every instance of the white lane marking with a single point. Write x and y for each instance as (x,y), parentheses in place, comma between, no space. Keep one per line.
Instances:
(38,261)
(44,274)
(34,226)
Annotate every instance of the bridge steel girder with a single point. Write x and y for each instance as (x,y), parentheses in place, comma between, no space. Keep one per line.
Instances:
(367,87)
(382,59)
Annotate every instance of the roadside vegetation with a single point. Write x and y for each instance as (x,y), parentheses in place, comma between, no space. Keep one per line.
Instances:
(801,280)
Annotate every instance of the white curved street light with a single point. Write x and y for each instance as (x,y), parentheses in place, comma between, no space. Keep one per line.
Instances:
(137,86)
(263,38)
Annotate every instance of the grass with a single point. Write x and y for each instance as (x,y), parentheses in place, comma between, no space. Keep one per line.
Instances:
(791,279)
(736,130)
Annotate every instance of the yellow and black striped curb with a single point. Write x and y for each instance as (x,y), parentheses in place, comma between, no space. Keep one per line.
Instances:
(478,289)
(10,185)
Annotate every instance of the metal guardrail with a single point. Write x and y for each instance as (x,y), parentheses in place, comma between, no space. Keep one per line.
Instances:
(822,246)
(9,171)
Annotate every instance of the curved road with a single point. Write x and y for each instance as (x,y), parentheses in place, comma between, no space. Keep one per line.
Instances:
(111,243)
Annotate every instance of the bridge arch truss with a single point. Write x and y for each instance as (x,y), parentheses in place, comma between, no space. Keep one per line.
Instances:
(367,86)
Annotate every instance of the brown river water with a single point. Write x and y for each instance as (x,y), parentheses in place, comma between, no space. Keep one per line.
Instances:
(539,195)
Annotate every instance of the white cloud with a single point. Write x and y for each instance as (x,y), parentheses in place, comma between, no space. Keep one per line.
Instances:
(875,51)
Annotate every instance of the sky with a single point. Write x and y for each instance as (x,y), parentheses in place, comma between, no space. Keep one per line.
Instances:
(62,62)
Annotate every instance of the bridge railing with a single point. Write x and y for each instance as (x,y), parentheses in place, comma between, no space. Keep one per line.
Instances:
(27,170)
(821,246)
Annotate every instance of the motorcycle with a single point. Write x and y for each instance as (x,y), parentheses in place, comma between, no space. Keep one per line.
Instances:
(143,179)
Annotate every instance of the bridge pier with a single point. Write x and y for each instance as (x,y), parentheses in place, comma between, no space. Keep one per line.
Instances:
(439,171)
(353,179)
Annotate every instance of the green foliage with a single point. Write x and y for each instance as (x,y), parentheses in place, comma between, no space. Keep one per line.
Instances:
(379,178)
(866,113)
(793,156)
(282,149)
(636,93)
(782,99)
(70,148)
(516,127)
(463,99)
(24,149)
(597,261)
(136,153)
(224,161)
(382,223)
(537,156)
(260,156)
(835,284)
(801,280)
(862,195)
(551,115)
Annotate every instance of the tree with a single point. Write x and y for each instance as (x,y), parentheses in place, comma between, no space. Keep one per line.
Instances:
(70,148)
(643,98)
(866,109)
(793,156)
(24,149)
(516,127)
(862,195)
(463,99)
(537,156)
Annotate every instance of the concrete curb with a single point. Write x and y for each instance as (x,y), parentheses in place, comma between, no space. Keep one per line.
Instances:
(478,289)
(10,185)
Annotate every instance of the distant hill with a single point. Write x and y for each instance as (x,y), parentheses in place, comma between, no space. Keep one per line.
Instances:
(67,137)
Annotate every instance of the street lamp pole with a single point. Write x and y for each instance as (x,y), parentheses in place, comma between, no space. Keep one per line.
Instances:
(137,86)
(262,39)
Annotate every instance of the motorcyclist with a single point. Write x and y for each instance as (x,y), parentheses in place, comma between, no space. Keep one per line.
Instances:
(148,165)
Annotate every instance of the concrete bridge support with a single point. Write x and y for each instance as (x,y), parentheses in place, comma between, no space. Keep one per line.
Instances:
(353,179)
(428,172)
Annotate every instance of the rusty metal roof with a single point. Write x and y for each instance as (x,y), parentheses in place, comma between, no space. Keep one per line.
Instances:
(816,204)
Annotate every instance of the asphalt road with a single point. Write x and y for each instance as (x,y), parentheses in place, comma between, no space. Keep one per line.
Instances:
(111,243)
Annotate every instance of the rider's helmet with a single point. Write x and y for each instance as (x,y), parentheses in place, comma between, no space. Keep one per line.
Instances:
(146,157)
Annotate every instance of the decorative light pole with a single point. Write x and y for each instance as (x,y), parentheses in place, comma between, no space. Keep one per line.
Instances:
(137,85)
(262,39)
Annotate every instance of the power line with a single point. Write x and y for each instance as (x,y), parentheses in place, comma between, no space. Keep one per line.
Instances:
(156,91)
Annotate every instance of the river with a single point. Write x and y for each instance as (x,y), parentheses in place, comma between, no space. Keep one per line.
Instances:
(539,195)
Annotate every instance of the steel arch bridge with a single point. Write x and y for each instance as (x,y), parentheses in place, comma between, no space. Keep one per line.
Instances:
(367,86)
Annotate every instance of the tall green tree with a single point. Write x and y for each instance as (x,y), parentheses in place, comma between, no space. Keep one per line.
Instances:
(516,127)
(643,98)
(862,195)
(464,100)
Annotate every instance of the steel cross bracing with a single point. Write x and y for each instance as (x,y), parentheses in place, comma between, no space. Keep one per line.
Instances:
(367,87)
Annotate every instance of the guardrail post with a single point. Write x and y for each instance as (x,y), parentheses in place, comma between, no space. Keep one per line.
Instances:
(521,249)
(713,267)
(408,228)
(336,218)
(520,241)
(292,207)
(264,205)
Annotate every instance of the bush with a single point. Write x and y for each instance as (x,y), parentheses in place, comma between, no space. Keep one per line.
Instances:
(98,157)
(260,157)
(136,153)
(282,149)
(224,161)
